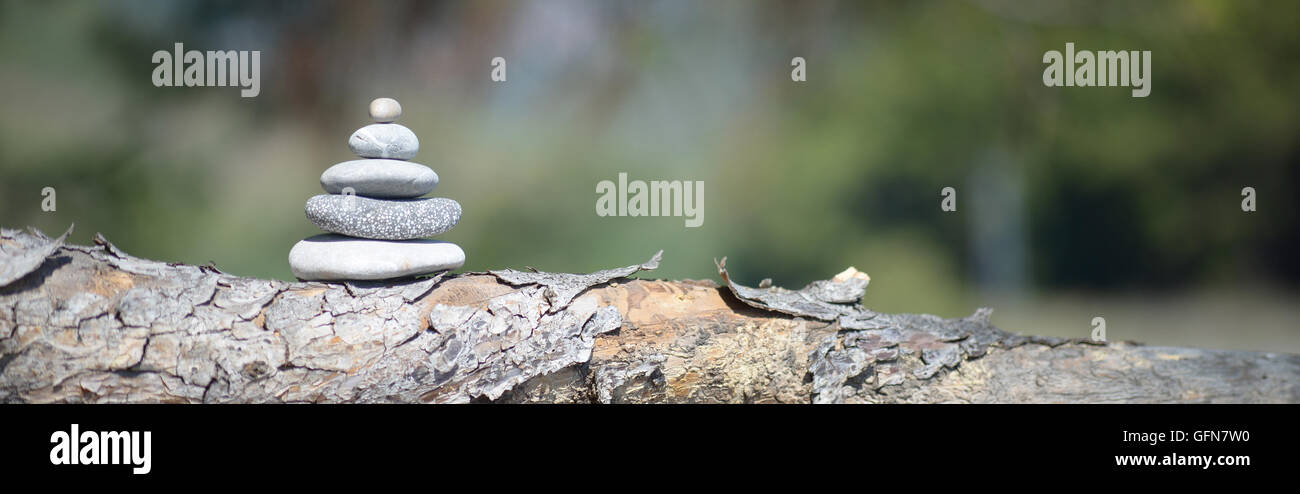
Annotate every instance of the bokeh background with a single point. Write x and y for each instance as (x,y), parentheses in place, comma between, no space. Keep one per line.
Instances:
(1072,202)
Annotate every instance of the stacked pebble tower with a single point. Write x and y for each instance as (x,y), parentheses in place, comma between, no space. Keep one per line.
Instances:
(375,213)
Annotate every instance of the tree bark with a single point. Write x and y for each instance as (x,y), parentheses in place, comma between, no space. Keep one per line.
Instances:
(93,324)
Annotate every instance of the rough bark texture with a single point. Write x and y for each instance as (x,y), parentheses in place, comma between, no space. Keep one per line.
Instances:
(93,324)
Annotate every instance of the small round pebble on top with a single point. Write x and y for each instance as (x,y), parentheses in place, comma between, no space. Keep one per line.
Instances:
(384,110)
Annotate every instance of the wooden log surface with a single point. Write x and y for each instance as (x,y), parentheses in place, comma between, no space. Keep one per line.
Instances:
(94,324)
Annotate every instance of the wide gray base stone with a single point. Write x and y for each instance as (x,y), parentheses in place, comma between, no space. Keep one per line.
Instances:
(337,257)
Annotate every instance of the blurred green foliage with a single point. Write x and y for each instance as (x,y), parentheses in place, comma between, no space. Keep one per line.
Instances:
(1079,188)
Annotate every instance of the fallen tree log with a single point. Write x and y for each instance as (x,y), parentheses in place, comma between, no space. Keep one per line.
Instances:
(93,324)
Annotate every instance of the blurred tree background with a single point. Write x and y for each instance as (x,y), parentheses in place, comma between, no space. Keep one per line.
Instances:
(1072,202)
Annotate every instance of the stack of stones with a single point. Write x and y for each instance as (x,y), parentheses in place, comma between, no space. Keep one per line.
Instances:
(375,213)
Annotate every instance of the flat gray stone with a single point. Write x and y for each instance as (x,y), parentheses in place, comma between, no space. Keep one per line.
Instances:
(381,178)
(383,219)
(384,140)
(336,257)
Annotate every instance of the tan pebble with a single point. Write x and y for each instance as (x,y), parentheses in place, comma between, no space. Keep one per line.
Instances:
(384,110)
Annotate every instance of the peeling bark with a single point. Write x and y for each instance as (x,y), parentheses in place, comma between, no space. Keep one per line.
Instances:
(25,253)
(93,324)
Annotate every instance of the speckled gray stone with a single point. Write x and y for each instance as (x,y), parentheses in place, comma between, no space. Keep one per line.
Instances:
(336,257)
(385,140)
(384,219)
(380,178)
